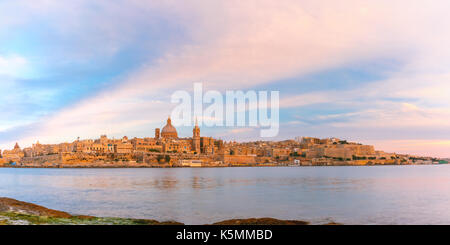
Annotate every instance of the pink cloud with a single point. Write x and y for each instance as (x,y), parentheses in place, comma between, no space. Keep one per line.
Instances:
(240,44)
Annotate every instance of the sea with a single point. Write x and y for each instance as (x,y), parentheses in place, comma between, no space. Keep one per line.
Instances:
(410,194)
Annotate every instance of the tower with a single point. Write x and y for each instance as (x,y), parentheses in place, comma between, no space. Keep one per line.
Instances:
(157,133)
(196,138)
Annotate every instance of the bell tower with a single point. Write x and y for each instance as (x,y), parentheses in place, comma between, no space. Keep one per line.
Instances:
(157,133)
(196,138)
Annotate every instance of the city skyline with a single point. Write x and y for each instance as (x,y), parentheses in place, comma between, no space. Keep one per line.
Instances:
(167,140)
(372,72)
(168,149)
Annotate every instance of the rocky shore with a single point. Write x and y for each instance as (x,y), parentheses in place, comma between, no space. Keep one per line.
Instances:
(14,212)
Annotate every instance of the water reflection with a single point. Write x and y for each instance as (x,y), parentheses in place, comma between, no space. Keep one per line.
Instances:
(353,195)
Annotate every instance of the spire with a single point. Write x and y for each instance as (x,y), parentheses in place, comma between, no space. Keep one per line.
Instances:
(196,129)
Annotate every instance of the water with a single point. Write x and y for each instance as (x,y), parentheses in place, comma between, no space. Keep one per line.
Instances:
(350,195)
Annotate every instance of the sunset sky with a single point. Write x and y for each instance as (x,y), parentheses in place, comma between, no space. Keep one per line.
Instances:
(374,71)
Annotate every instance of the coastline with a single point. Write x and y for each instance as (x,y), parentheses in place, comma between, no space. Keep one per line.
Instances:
(231,166)
(141,153)
(15,212)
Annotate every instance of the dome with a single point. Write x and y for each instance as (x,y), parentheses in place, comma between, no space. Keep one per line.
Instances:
(169,131)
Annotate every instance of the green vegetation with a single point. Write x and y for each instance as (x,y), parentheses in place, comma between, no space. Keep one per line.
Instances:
(338,158)
(358,158)
(11,218)
(159,158)
(294,154)
(14,212)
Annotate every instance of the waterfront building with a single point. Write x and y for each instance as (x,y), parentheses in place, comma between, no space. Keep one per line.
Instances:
(208,145)
(191,163)
(166,144)
(146,144)
(14,155)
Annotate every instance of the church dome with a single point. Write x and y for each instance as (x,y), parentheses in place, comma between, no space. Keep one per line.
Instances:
(169,131)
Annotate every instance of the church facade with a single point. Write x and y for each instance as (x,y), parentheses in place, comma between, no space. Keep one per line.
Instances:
(165,140)
(169,141)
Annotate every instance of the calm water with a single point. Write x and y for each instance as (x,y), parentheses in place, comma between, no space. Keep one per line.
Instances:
(351,195)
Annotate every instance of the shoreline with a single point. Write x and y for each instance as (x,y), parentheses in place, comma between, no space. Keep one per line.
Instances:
(241,166)
(15,212)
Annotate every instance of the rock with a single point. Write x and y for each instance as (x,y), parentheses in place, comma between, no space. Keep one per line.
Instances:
(12,205)
(41,215)
(84,217)
(333,223)
(261,221)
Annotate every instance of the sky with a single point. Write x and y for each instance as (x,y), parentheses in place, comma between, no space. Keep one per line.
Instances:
(375,71)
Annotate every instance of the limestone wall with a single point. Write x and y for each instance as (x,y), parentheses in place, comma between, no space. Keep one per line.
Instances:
(239,159)
(42,160)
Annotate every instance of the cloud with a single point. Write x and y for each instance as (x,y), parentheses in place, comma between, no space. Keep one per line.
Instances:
(12,65)
(418,147)
(308,99)
(246,44)
(240,130)
(79,32)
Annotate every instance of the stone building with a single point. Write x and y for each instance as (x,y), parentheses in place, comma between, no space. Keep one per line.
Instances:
(146,145)
(169,130)
(14,155)
(196,138)
(208,146)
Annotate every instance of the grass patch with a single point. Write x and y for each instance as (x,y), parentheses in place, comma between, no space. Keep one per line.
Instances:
(76,220)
